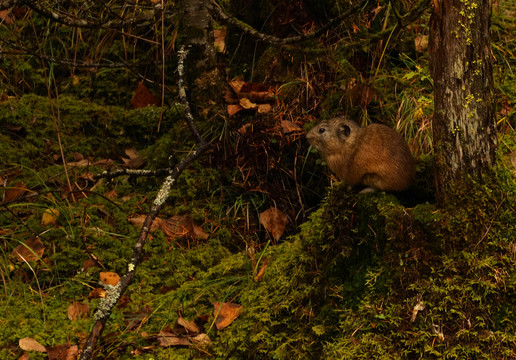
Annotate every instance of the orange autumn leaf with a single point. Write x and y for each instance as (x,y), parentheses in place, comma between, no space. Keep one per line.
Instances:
(97,293)
(143,97)
(236,84)
(225,314)
(109,278)
(233,109)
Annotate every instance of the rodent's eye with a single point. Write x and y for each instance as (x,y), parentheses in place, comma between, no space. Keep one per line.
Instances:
(321,130)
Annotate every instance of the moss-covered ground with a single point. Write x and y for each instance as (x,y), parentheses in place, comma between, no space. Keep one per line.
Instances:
(354,276)
(363,277)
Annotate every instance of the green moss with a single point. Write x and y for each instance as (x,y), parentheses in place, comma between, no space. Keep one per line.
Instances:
(347,284)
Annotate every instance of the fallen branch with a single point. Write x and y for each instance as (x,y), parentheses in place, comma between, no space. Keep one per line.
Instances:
(108,175)
(113,293)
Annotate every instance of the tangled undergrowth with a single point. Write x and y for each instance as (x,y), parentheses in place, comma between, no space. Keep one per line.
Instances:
(358,276)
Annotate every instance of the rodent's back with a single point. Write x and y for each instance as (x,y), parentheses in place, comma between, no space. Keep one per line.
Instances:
(375,156)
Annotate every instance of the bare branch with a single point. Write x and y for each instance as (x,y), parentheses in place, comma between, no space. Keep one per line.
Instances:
(115,292)
(121,172)
(149,16)
(247,29)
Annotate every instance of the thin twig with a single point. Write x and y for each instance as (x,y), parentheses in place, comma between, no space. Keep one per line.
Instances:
(114,293)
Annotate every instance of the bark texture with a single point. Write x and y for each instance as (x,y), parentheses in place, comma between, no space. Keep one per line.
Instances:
(196,27)
(460,63)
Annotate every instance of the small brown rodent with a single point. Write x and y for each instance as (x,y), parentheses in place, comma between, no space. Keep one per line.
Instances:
(375,156)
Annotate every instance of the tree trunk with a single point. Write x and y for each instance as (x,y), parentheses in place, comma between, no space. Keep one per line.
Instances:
(196,30)
(460,63)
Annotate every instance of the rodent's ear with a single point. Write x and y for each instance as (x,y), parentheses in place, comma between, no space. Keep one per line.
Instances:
(345,130)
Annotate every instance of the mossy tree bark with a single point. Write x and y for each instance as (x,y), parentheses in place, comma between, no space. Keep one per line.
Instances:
(460,63)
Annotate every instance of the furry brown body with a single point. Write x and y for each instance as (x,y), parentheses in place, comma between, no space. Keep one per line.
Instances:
(375,156)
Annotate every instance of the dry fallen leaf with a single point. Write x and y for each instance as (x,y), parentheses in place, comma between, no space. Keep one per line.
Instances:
(83,162)
(289,126)
(176,226)
(97,293)
(63,352)
(166,339)
(274,221)
(245,129)
(251,96)
(236,84)
(49,217)
(264,108)
(16,191)
(140,219)
(513,158)
(199,234)
(225,314)
(135,161)
(143,97)
(31,250)
(247,104)
(200,339)
(190,326)
(88,263)
(78,311)
(181,225)
(233,109)
(29,344)
(109,278)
